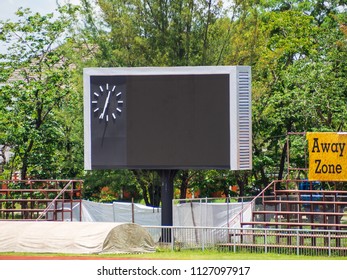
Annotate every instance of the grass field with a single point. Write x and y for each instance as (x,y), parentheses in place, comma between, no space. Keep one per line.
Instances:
(172,255)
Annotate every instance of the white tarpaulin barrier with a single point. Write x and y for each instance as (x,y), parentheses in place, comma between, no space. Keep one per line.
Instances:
(74,237)
(120,212)
(207,214)
(184,214)
(116,212)
(200,214)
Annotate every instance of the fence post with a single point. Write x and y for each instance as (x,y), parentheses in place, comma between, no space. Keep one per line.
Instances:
(234,230)
(132,211)
(114,211)
(329,243)
(264,240)
(228,219)
(241,214)
(206,208)
(297,243)
(201,212)
(172,239)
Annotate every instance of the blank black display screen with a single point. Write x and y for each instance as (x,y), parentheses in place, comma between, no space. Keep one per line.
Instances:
(167,122)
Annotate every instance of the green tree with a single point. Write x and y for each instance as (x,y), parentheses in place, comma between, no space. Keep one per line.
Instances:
(297,55)
(37,78)
(116,181)
(153,32)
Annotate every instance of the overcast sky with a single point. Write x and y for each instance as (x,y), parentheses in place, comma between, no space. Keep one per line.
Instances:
(9,7)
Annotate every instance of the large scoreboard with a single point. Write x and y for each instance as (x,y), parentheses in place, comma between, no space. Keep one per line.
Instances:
(168,118)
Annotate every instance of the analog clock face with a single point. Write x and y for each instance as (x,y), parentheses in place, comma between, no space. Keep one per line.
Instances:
(107,102)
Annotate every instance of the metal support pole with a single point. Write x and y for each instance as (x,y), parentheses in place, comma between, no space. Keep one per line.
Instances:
(206,212)
(172,238)
(234,230)
(167,179)
(265,240)
(114,212)
(329,243)
(297,243)
(132,211)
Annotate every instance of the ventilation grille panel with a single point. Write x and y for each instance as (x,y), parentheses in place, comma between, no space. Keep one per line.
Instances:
(244,120)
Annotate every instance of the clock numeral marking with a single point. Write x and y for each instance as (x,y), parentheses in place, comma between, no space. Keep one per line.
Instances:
(110,90)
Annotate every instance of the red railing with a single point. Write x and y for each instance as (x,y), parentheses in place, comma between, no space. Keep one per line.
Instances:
(40,199)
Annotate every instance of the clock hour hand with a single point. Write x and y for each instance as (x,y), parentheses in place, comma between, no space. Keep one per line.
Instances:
(106,103)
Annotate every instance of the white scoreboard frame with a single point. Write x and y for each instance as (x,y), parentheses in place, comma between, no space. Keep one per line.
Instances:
(239,104)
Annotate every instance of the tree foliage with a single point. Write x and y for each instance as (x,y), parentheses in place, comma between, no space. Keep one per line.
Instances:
(298,67)
(38,87)
(153,32)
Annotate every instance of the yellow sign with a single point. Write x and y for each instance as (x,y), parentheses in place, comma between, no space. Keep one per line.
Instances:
(327,156)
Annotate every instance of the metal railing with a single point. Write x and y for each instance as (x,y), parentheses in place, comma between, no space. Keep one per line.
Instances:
(40,199)
(54,201)
(264,240)
(332,203)
(250,206)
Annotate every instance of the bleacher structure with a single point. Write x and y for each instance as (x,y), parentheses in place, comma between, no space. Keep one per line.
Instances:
(288,206)
(294,213)
(35,200)
(299,203)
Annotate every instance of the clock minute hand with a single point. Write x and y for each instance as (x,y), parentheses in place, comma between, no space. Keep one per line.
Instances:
(106,103)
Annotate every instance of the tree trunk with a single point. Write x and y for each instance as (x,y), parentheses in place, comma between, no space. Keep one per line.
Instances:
(154,194)
(284,154)
(184,184)
(282,161)
(242,180)
(145,195)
